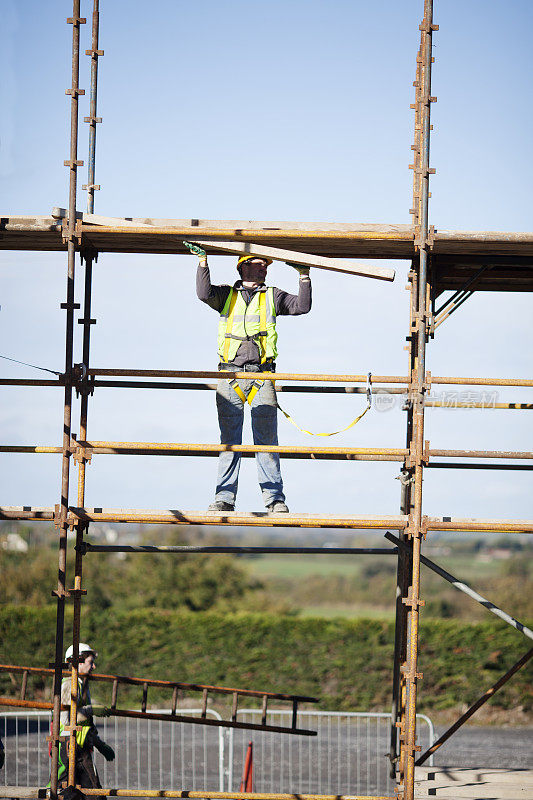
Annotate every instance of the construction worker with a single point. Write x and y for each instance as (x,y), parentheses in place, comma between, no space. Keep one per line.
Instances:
(87,737)
(247,340)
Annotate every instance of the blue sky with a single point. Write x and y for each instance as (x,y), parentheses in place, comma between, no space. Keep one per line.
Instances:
(267,111)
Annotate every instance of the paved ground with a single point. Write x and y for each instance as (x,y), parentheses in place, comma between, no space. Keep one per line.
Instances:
(487,747)
(455,783)
(343,758)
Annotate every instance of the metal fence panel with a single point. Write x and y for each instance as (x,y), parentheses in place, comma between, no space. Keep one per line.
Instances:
(148,753)
(348,756)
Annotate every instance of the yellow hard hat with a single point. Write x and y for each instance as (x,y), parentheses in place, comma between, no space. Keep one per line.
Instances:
(242,259)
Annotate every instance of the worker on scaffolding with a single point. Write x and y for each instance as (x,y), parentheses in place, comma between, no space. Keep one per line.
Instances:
(87,737)
(247,340)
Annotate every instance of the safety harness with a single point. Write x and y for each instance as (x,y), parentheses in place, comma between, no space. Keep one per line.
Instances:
(261,338)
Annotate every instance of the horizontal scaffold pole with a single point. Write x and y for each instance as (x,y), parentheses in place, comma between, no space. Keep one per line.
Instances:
(31,382)
(88,547)
(305,520)
(198,794)
(259,518)
(38,793)
(452,404)
(452,381)
(304,451)
(319,377)
(212,387)
(249,451)
(461,465)
(454,524)
(226,374)
(302,259)
(520,454)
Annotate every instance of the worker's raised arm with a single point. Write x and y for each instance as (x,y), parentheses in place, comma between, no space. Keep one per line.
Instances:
(295,304)
(214,296)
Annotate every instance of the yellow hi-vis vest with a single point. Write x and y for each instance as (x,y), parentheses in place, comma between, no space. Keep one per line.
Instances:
(240,321)
(85,727)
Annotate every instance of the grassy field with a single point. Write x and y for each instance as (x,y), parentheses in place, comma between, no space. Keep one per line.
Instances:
(364,585)
(303,566)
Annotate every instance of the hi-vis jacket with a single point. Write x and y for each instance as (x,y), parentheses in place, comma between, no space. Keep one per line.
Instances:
(278,303)
(84,709)
(242,321)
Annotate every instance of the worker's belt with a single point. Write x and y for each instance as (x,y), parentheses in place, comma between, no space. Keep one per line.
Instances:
(266,366)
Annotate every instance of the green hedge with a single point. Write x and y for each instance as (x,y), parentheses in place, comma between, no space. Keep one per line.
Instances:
(346,663)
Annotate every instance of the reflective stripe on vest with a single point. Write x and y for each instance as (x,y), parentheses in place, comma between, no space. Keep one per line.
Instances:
(241,321)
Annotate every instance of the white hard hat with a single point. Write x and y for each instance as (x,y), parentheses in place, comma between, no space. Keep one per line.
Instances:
(82,648)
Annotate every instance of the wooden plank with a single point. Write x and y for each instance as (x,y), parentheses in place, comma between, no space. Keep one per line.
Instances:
(302,259)
(98,219)
(326,239)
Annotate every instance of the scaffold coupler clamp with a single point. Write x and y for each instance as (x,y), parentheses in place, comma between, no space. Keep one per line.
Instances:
(82,383)
(369,389)
(405,477)
(81,454)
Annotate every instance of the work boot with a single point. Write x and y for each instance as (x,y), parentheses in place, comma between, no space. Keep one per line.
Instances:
(220,505)
(277,507)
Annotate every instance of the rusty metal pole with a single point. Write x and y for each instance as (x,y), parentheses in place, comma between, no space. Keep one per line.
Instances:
(403,572)
(404,568)
(71,236)
(84,389)
(74,675)
(415,528)
(92,119)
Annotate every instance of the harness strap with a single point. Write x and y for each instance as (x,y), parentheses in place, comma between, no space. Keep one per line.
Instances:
(355,421)
(237,389)
(262,326)
(256,385)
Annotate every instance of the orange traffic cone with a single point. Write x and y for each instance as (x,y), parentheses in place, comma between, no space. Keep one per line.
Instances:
(247,782)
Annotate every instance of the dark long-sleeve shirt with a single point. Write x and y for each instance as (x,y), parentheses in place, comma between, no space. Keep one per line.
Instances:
(285,304)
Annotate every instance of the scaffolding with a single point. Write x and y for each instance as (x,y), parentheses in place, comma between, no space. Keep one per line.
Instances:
(463,262)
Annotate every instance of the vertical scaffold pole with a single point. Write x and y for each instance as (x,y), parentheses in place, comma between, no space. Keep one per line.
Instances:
(94,53)
(418,388)
(83,384)
(69,306)
(403,577)
(404,568)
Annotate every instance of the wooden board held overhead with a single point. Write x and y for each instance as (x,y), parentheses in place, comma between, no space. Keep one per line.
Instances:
(302,259)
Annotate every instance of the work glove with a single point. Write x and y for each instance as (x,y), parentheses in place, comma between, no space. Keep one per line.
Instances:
(107,751)
(304,271)
(100,711)
(196,250)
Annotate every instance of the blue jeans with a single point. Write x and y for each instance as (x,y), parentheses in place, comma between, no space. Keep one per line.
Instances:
(265,431)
